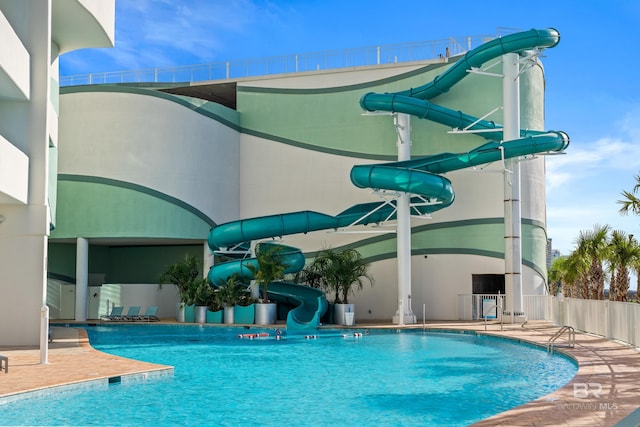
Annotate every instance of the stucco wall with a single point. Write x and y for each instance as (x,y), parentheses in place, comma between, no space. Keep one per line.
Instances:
(161,157)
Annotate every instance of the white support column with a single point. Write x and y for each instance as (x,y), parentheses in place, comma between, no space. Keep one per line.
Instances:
(82,278)
(44,309)
(207,259)
(512,214)
(44,335)
(403,236)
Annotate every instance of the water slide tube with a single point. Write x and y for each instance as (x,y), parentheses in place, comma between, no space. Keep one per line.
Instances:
(417,176)
(310,304)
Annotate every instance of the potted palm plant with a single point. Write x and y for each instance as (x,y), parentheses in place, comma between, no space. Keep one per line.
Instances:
(202,295)
(244,311)
(185,276)
(269,268)
(229,294)
(343,272)
(215,310)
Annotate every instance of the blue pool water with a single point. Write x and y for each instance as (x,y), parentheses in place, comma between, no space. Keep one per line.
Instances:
(384,378)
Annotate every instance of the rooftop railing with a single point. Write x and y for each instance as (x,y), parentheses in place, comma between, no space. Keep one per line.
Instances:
(306,62)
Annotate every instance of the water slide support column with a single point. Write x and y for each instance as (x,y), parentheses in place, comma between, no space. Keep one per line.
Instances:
(512,213)
(404,315)
(82,278)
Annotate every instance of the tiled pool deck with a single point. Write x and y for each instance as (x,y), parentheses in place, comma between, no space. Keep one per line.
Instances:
(605,390)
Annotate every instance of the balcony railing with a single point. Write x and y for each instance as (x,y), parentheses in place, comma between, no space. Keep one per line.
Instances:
(298,63)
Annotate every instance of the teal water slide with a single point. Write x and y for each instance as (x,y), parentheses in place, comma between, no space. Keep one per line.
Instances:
(420,177)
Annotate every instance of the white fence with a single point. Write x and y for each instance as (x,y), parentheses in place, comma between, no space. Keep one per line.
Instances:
(614,320)
(479,306)
(610,319)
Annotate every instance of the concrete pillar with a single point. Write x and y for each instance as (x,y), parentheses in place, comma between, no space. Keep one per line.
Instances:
(512,214)
(82,278)
(403,230)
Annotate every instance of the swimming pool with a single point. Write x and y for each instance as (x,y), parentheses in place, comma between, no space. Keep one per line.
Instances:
(384,378)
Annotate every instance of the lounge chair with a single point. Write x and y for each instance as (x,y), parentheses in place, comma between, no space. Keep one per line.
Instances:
(150,315)
(4,364)
(116,314)
(132,313)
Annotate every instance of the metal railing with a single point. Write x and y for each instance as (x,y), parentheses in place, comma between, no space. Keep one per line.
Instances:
(297,63)
(571,337)
(499,309)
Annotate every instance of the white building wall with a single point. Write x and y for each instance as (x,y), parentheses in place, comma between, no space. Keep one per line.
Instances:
(157,143)
(14,63)
(23,233)
(26,125)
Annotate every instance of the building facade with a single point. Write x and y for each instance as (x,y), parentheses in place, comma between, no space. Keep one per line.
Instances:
(34,34)
(130,177)
(145,171)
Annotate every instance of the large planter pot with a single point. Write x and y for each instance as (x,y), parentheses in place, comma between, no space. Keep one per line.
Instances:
(215,316)
(339,311)
(266,313)
(189,313)
(228,315)
(180,312)
(244,315)
(200,312)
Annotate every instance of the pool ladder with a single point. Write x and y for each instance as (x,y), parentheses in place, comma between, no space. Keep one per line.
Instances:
(571,333)
(498,308)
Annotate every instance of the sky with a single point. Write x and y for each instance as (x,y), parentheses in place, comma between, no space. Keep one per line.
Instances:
(592,88)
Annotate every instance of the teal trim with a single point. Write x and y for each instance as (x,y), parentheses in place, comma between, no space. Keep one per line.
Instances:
(140,189)
(316,148)
(336,89)
(212,110)
(383,247)
(461,223)
(228,117)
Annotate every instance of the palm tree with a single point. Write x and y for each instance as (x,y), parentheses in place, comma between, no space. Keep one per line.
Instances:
(313,274)
(631,202)
(592,247)
(231,291)
(184,274)
(342,271)
(558,277)
(573,276)
(352,271)
(270,266)
(624,253)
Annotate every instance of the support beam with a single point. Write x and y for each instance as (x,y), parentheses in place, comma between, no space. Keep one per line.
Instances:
(512,213)
(82,278)
(404,315)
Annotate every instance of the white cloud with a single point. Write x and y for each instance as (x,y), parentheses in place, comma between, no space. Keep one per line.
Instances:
(584,185)
(161,33)
(598,159)
(566,222)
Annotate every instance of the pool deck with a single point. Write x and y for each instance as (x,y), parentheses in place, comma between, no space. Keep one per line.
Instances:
(72,361)
(605,390)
